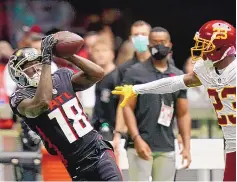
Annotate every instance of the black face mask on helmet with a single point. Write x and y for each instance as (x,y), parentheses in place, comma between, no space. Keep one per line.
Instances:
(159,51)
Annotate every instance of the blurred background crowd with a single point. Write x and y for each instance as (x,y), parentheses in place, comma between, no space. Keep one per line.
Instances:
(108,28)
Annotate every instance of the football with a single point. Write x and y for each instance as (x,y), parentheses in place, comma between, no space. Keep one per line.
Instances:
(68,44)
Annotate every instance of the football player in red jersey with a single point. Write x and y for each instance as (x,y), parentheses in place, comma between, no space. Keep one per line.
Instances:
(215,69)
(49,106)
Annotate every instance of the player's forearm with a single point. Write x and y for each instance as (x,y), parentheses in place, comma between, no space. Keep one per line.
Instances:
(120,125)
(184,125)
(88,67)
(162,86)
(130,121)
(44,90)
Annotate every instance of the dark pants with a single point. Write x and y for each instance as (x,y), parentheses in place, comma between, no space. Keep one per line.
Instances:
(97,164)
(105,169)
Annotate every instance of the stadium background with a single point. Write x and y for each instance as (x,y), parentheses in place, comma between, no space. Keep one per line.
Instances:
(181,18)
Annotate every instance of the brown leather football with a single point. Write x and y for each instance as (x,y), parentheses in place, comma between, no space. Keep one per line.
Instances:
(68,44)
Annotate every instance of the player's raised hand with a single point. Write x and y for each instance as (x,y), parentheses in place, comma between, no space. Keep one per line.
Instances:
(47,45)
(126,91)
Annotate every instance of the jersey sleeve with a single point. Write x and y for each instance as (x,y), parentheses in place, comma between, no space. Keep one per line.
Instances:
(201,71)
(65,74)
(182,94)
(198,66)
(63,78)
(15,99)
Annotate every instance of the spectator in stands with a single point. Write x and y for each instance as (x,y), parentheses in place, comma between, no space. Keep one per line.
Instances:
(93,23)
(4,21)
(125,53)
(107,34)
(6,121)
(89,40)
(87,97)
(25,35)
(102,53)
(6,51)
(150,117)
(113,19)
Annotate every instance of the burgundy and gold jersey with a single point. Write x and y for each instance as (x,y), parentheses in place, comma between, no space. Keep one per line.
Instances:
(221,88)
(64,127)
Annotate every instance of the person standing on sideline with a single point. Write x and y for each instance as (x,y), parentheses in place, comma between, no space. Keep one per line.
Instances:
(150,117)
(103,118)
(139,37)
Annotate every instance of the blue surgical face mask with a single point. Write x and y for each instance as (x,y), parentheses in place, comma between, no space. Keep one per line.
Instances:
(140,43)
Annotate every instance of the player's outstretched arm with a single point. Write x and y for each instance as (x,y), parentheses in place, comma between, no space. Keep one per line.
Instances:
(162,86)
(90,74)
(40,102)
(168,85)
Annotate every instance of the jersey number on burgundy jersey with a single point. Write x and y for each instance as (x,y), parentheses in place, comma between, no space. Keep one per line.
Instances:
(218,105)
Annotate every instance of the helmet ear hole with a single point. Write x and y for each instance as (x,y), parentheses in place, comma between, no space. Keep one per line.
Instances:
(197,53)
(218,49)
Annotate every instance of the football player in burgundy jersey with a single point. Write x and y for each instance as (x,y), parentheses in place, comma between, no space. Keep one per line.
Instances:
(214,54)
(49,106)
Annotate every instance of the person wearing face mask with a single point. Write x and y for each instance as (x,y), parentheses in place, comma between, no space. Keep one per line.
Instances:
(139,33)
(150,117)
(140,43)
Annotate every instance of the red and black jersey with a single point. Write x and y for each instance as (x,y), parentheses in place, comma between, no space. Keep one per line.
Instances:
(64,126)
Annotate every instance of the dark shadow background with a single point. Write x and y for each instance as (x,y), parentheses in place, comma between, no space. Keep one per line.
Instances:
(182,18)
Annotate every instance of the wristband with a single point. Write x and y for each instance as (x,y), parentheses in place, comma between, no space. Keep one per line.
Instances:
(135,137)
(46,60)
(119,132)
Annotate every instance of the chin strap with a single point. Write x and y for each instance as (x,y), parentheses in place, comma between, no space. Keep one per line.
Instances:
(230,51)
(33,83)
